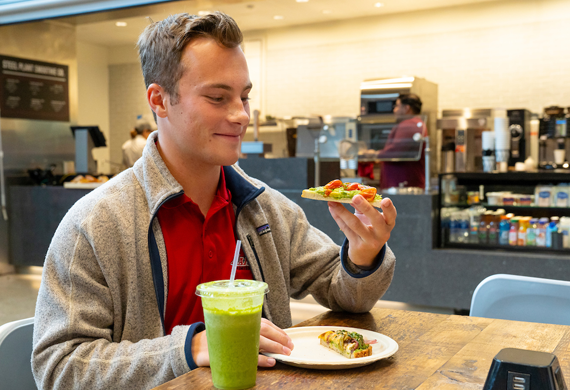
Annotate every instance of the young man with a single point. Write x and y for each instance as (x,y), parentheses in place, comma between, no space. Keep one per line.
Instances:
(117,305)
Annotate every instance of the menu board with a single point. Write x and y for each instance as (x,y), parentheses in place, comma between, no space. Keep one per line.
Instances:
(33,89)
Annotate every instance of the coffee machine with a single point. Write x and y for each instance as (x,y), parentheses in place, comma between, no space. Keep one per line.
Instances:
(459,139)
(519,126)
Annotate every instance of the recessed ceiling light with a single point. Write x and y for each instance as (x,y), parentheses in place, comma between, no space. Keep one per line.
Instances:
(121,24)
(204,13)
(378,5)
(327,11)
(278,17)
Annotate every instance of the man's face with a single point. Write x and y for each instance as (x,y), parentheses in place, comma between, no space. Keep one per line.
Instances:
(401,109)
(210,118)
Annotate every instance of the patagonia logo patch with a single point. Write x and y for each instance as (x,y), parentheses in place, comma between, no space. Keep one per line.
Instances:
(263,230)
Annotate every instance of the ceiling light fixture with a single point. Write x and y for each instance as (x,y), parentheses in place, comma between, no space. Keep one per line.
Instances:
(121,24)
(278,17)
(327,11)
(378,5)
(204,13)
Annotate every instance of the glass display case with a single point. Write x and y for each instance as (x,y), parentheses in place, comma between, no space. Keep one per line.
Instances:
(513,211)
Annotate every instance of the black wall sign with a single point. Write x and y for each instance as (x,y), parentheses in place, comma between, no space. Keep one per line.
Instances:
(33,89)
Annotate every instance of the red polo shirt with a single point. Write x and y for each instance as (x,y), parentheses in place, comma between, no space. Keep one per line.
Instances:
(199,249)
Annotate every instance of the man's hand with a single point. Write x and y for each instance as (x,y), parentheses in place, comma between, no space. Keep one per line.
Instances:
(272,339)
(367,230)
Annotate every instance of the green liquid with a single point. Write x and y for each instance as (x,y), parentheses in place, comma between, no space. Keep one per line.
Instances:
(233,345)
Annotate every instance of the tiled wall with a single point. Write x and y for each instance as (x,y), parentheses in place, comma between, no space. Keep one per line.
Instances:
(127,99)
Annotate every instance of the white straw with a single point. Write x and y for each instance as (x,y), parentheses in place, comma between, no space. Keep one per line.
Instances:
(236,256)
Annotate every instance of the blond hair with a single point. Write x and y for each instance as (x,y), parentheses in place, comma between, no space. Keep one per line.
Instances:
(161,45)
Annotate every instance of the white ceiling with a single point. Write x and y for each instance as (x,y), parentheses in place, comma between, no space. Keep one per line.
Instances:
(249,14)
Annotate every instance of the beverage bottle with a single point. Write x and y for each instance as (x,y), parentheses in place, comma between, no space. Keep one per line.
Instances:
(493,229)
(514,232)
(541,232)
(531,232)
(523,226)
(552,228)
(475,219)
(504,227)
(483,227)
(453,227)
(564,227)
(463,233)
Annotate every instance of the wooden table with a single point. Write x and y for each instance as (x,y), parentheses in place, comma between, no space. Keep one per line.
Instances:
(436,351)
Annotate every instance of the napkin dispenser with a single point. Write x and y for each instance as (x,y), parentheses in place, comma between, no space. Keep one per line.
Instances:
(520,369)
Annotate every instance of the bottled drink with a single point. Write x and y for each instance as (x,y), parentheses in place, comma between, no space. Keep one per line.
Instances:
(514,232)
(523,226)
(453,226)
(564,227)
(541,232)
(531,232)
(504,228)
(483,227)
(552,228)
(445,219)
(493,229)
(463,233)
(475,219)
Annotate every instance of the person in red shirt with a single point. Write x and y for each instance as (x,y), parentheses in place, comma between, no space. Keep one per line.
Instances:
(410,173)
(117,305)
(202,120)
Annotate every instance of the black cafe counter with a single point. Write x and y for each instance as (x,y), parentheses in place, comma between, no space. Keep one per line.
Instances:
(424,274)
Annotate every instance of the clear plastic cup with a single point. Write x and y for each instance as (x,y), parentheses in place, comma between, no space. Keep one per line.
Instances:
(232,313)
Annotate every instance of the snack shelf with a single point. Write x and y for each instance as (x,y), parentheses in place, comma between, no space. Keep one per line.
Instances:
(507,248)
(562,211)
(525,183)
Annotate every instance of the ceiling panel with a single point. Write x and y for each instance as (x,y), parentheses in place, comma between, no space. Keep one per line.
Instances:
(250,15)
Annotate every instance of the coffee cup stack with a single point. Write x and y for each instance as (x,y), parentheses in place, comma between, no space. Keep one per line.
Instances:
(488,141)
(502,143)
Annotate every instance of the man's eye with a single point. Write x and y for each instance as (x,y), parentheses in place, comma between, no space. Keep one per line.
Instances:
(215,99)
(245,99)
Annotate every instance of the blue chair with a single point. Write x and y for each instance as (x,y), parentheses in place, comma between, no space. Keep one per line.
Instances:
(16,354)
(522,298)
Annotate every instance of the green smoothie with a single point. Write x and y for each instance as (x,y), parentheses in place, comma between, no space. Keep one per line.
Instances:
(232,312)
(233,345)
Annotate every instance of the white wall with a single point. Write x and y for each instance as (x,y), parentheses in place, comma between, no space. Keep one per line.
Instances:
(502,54)
(93,96)
(127,100)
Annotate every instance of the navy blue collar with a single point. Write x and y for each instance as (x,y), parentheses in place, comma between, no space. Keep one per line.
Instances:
(242,190)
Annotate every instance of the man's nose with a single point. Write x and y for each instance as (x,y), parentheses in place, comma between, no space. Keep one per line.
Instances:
(239,113)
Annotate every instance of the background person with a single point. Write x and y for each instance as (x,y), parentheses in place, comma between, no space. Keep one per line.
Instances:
(400,141)
(117,305)
(133,148)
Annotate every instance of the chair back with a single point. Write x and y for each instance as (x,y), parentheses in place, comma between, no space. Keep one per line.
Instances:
(522,298)
(16,355)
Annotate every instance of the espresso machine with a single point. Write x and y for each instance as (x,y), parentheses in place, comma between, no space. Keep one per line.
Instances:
(519,127)
(459,139)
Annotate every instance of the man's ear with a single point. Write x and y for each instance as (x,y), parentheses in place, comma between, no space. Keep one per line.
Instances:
(157,100)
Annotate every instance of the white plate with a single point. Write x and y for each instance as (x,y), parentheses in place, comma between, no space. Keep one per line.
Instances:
(309,353)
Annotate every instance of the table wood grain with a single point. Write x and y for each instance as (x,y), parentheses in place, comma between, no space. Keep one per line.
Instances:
(436,351)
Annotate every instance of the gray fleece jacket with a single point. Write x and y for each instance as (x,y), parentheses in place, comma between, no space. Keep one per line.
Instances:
(100,309)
